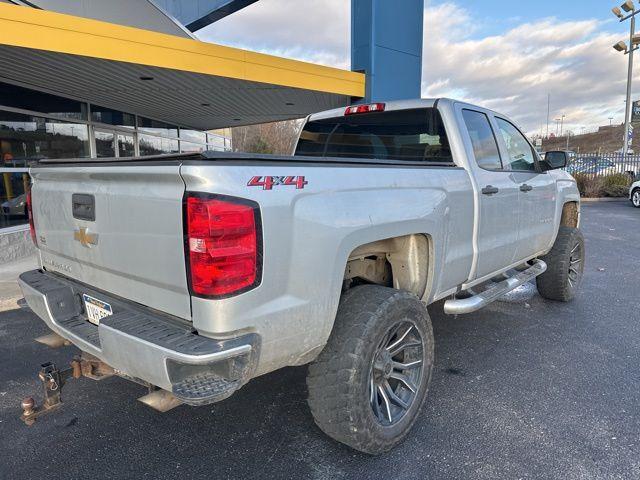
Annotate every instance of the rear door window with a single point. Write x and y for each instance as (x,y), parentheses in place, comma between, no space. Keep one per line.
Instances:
(410,135)
(485,147)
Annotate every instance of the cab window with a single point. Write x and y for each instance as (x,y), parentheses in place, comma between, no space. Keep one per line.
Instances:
(409,135)
(521,156)
(485,147)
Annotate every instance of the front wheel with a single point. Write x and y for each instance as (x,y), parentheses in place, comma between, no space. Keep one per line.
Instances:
(635,198)
(368,385)
(565,266)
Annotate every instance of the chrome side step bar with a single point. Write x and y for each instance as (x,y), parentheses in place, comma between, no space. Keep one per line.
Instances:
(481,300)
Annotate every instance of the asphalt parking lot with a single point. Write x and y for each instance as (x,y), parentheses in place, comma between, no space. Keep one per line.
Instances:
(520,390)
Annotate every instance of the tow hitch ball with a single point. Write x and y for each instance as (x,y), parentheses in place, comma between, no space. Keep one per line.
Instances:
(54,379)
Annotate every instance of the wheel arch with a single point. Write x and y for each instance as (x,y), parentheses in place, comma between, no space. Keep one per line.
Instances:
(570,216)
(410,257)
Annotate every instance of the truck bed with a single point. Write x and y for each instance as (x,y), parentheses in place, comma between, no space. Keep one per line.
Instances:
(242,158)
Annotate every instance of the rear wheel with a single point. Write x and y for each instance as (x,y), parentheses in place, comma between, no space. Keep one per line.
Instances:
(368,385)
(565,266)
(635,198)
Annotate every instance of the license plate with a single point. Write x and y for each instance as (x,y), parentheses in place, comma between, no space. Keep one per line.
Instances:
(96,309)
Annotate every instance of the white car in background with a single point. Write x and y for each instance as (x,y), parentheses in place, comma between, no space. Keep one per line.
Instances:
(634,194)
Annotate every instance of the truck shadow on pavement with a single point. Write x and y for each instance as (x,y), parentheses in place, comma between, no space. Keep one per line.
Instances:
(265,429)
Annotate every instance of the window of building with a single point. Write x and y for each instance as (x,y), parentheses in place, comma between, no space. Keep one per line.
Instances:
(216,142)
(151,145)
(26,99)
(13,199)
(112,117)
(193,136)
(36,125)
(126,145)
(188,147)
(105,144)
(65,140)
(158,128)
(24,138)
(485,147)
(415,135)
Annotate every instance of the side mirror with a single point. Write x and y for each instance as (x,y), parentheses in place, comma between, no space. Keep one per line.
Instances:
(555,160)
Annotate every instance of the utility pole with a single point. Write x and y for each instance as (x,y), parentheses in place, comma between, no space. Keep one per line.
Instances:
(548,111)
(562,125)
(610,121)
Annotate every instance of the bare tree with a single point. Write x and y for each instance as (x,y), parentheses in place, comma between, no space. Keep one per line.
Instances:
(277,137)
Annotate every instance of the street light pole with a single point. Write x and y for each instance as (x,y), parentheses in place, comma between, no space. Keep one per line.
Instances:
(627,114)
(631,11)
(548,111)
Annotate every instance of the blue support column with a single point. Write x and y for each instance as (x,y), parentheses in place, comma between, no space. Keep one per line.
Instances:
(386,44)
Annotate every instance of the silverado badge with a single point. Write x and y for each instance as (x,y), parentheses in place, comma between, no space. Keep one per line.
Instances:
(85,238)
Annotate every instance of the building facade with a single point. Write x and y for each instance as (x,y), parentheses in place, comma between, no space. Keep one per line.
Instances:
(35,125)
(96,79)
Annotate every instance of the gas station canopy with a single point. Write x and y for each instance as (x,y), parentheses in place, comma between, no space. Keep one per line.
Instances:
(165,77)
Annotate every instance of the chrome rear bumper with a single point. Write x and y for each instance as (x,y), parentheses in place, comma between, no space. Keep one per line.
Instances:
(144,344)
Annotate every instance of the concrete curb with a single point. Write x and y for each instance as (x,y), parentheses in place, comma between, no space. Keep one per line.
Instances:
(7,304)
(10,292)
(604,199)
(15,244)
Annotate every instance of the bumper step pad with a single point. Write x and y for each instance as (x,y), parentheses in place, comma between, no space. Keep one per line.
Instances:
(204,388)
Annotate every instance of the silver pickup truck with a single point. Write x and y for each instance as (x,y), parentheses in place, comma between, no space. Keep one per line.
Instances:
(192,274)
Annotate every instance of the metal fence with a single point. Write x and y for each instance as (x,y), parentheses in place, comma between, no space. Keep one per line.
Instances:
(602,165)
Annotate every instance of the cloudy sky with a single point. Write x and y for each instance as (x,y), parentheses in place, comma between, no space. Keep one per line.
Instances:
(502,54)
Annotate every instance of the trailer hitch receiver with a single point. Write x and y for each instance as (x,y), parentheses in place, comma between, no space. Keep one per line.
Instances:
(54,379)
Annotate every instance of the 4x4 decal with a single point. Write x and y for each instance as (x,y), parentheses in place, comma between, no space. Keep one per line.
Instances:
(267,183)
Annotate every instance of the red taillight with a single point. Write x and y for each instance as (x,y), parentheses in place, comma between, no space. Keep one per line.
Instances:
(369,108)
(32,227)
(222,245)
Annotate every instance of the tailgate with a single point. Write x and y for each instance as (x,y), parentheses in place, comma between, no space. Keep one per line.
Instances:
(131,245)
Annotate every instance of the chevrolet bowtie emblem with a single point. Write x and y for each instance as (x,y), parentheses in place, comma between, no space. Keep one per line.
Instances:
(83,236)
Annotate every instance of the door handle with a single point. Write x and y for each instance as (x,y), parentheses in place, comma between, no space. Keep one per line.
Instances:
(525,188)
(490,190)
